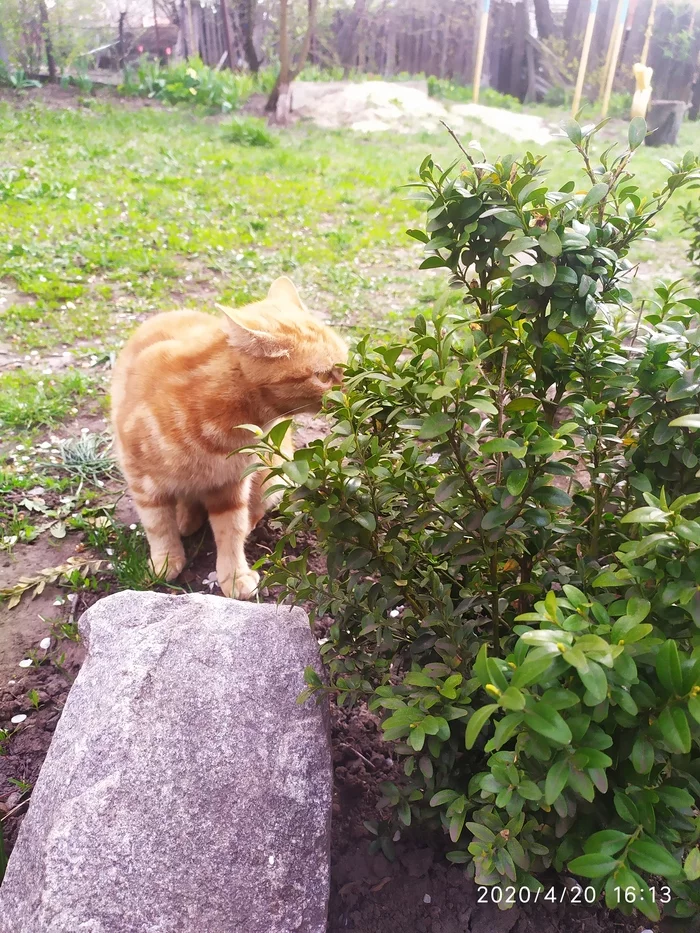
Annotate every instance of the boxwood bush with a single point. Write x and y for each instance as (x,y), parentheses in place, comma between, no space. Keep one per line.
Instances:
(508,504)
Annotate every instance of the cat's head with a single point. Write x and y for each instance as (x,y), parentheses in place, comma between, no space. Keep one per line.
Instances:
(290,356)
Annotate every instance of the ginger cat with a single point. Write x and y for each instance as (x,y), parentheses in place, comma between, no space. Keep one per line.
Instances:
(181,385)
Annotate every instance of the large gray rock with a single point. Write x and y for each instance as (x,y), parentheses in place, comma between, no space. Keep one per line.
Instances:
(185,790)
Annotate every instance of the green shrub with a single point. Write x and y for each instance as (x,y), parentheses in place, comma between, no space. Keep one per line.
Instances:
(557,96)
(249,131)
(191,82)
(445,89)
(508,507)
(691,226)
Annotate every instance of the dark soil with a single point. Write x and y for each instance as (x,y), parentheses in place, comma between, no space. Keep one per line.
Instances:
(419,892)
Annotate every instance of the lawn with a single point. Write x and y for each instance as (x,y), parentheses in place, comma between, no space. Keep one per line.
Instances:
(110,213)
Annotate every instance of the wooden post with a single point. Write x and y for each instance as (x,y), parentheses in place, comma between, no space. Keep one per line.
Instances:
(585,51)
(228,34)
(647,35)
(191,51)
(618,33)
(479,63)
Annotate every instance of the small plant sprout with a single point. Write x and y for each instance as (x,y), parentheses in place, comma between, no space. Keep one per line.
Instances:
(33,698)
(88,457)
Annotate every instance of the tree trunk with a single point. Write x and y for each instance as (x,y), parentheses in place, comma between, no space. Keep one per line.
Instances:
(48,44)
(546,26)
(228,34)
(122,47)
(279,105)
(246,19)
(390,61)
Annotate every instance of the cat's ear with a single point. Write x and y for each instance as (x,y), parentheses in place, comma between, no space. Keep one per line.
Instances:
(283,289)
(249,340)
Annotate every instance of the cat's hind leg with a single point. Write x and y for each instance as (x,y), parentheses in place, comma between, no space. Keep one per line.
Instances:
(190,517)
(160,524)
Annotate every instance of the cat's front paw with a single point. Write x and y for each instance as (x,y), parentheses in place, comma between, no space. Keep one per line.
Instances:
(168,566)
(242,585)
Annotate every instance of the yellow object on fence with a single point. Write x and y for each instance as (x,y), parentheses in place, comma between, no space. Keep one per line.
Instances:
(642,95)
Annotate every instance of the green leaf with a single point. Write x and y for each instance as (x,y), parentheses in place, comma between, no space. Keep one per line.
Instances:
(594,196)
(477,723)
(418,235)
(366,520)
(673,726)
(548,723)
(593,865)
(595,681)
(297,470)
(694,708)
(448,488)
(519,244)
(556,781)
(647,515)
(500,445)
(497,516)
(642,755)
(531,670)
(692,865)
(443,796)
(637,132)
(626,809)
(416,738)
(573,131)
(418,679)
(546,446)
(606,842)
(668,667)
(436,425)
(652,857)
(512,699)
(552,497)
(550,243)
(433,262)
(516,481)
(544,273)
(686,421)
(689,531)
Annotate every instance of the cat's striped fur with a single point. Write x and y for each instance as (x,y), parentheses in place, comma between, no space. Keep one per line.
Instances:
(181,385)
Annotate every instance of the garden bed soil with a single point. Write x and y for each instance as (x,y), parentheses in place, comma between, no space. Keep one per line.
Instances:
(419,892)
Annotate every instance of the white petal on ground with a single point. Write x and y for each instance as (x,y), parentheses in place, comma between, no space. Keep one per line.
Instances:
(20,717)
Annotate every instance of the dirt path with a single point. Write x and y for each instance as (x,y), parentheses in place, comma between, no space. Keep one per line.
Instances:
(379,106)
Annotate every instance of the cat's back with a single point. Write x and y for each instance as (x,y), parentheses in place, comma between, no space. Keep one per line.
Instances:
(178,326)
(160,341)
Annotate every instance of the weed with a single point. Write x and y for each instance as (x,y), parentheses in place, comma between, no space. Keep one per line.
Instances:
(88,457)
(23,787)
(249,131)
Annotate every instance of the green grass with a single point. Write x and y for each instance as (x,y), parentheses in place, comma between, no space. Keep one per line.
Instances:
(29,400)
(109,214)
